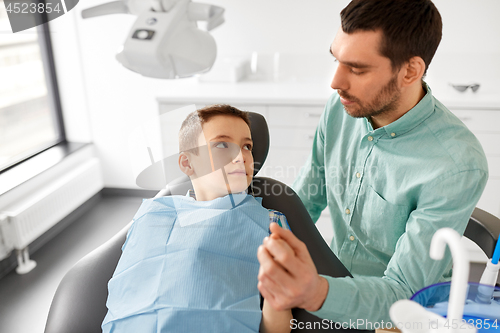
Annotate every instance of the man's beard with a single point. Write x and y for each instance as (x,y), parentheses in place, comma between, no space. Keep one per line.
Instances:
(387,100)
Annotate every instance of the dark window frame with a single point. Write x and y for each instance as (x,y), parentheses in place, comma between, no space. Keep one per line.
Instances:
(47,55)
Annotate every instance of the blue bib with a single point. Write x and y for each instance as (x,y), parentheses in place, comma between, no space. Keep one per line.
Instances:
(189,266)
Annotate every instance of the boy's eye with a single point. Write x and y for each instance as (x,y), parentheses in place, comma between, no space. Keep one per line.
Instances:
(248,147)
(220,145)
(356,72)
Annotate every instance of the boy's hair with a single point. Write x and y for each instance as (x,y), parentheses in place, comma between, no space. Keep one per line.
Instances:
(191,127)
(409,27)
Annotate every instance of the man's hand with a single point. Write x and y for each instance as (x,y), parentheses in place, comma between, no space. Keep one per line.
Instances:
(287,275)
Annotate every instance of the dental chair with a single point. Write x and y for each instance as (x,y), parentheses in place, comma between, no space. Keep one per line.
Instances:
(79,305)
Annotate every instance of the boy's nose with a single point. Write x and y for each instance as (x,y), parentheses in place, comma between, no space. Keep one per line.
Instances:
(239,157)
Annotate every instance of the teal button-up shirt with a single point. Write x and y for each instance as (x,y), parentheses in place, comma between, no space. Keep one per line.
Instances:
(388,191)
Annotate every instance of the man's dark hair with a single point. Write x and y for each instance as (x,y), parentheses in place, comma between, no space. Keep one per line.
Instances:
(410,27)
(191,127)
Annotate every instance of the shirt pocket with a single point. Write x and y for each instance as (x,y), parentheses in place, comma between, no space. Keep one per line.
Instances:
(380,222)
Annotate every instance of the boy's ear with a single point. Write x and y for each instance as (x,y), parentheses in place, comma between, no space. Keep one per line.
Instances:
(185,164)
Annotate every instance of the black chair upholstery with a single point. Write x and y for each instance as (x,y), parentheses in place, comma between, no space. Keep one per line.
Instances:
(483,229)
(79,305)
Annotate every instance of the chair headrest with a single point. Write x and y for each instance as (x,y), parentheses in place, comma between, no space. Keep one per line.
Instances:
(260,137)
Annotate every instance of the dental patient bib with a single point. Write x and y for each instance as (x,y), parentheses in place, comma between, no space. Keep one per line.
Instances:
(189,266)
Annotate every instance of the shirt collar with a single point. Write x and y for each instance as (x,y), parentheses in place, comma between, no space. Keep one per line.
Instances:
(410,119)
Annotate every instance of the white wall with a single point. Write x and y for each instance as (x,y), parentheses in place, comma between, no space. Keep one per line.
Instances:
(103,101)
(470,47)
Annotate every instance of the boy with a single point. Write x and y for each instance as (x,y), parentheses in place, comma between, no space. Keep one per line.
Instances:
(189,263)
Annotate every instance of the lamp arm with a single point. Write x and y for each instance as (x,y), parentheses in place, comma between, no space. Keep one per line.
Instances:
(214,15)
(113,7)
(135,7)
(166,5)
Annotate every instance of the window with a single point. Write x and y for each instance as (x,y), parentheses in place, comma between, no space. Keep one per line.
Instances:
(30,111)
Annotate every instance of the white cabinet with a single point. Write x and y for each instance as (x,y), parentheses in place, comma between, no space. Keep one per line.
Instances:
(295,116)
(292,131)
(479,120)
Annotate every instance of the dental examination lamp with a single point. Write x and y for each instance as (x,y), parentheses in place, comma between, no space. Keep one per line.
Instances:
(165,41)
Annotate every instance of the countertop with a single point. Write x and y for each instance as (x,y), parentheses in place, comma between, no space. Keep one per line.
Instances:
(311,92)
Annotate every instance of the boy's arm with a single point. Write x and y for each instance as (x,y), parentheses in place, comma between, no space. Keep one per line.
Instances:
(272,320)
(275,321)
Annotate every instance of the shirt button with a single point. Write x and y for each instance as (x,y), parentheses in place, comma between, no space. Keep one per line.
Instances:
(348,211)
(358,175)
(370,138)
(393,134)
(351,238)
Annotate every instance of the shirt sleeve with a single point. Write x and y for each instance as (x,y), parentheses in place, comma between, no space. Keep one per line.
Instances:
(310,184)
(365,300)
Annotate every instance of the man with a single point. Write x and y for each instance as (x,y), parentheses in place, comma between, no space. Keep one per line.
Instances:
(390,162)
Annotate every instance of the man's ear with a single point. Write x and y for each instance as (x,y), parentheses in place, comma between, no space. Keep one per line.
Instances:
(185,163)
(413,71)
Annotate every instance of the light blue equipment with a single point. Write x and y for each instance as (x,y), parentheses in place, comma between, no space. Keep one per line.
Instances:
(489,277)
(468,307)
(485,317)
(189,266)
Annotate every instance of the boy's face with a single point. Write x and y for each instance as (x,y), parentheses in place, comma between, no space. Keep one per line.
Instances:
(227,165)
